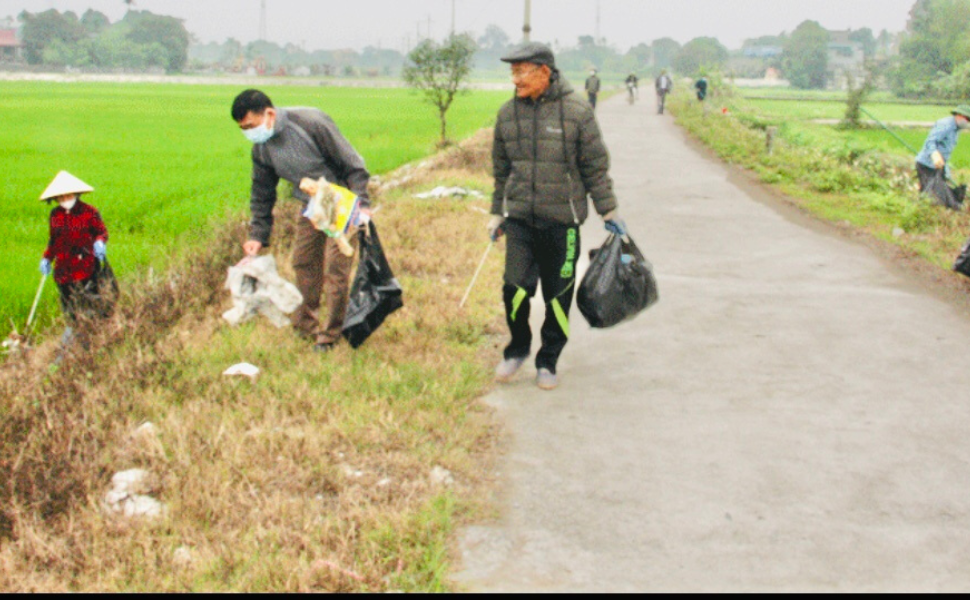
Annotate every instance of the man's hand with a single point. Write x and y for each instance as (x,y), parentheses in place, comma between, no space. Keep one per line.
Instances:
(613,223)
(495,229)
(938,160)
(252,247)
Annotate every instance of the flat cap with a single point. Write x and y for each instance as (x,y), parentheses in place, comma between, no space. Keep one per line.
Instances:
(531,52)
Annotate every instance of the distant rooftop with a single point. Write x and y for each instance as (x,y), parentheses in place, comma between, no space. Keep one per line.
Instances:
(8,38)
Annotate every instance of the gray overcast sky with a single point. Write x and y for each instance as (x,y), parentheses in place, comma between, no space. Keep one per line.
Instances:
(330,24)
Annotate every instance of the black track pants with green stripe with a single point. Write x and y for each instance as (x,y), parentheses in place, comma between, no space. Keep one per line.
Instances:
(532,255)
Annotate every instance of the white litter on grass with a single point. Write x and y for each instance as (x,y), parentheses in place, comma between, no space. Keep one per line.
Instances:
(257,288)
(441,476)
(128,496)
(244,369)
(182,557)
(450,192)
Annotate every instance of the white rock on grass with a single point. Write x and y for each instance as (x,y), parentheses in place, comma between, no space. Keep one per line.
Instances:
(899,232)
(441,476)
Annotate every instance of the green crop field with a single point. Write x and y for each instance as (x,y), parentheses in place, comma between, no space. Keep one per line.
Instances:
(795,118)
(168,164)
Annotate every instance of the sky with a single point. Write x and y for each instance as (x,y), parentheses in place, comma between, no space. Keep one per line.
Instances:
(395,24)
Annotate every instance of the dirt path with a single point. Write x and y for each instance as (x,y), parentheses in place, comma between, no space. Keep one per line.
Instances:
(792,415)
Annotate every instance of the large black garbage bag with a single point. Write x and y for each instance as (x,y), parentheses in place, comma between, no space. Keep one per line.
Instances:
(106,292)
(950,197)
(375,292)
(962,263)
(615,289)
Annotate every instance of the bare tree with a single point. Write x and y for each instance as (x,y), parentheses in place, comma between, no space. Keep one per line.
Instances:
(438,70)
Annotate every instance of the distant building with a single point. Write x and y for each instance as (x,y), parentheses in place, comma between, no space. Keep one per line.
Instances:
(762,51)
(11,50)
(846,61)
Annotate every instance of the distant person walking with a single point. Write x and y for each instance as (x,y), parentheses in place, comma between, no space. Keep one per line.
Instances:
(592,87)
(933,161)
(290,144)
(548,156)
(663,86)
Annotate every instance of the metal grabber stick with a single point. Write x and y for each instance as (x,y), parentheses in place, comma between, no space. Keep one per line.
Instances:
(33,309)
(477,271)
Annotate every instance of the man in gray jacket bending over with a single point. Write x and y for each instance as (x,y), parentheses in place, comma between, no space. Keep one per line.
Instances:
(548,156)
(290,144)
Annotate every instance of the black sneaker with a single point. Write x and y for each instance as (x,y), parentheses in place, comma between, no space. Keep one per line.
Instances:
(323,347)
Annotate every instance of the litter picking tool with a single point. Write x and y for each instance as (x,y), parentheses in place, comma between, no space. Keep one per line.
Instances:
(896,137)
(475,276)
(33,309)
(17,341)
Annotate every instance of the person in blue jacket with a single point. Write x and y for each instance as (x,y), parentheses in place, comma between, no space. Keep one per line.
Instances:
(933,161)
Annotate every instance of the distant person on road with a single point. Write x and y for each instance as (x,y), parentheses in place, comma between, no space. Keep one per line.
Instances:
(933,161)
(291,144)
(663,85)
(76,253)
(700,86)
(548,156)
(632,81)
(592,87)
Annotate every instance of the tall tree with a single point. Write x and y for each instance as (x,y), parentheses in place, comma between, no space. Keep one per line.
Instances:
(805,58)
(438,72)
(494,38)
(700,52)
(937,43)
(40,30)
(664,52)
(168,33)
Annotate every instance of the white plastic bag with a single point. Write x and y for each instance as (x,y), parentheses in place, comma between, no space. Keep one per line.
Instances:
(257,288)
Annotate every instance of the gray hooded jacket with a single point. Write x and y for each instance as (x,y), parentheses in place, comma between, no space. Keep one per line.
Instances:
(305,143)
(548,154)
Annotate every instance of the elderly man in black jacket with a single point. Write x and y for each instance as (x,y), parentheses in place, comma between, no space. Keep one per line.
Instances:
(548,156)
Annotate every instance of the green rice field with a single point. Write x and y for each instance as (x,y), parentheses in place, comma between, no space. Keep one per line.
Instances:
(795,117)
(168,164)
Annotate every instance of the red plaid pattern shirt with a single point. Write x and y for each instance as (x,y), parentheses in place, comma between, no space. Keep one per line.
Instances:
(71,244)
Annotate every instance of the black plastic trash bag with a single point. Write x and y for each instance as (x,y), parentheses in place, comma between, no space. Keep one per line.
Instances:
(618,285)
(375,292)
(962,263)
(106,294)
(950,197)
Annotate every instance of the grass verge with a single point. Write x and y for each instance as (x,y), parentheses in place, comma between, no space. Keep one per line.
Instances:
(316,476)
(844,181)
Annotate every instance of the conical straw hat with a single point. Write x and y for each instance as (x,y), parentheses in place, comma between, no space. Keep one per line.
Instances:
(65,183)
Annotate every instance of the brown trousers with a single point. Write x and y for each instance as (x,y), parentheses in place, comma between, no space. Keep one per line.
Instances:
(320,269)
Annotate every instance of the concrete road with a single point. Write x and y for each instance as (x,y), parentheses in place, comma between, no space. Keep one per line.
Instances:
(794,414)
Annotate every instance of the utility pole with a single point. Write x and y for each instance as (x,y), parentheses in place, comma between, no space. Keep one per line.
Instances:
(429,26)
(527,27)
(452,18)
(597,22)
(262,20)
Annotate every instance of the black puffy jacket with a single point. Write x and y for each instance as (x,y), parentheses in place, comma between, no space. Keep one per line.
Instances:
(548,155)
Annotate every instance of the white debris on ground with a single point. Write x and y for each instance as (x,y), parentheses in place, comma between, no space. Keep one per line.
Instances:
(244,369)
(441,476)
(129,497)
(898,232)
(257,288)
(450,192)
(182,557)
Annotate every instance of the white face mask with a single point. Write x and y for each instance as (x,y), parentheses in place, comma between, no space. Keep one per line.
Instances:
(259,135)
(68,204)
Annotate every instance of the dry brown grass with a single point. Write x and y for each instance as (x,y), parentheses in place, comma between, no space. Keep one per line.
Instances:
(314,477)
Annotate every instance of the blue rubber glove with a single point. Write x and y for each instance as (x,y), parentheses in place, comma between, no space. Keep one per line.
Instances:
(45,267)
(615,226)
(496,228)
(100,250)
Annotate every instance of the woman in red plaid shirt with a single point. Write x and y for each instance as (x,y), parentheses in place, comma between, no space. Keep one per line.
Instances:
(77,248)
